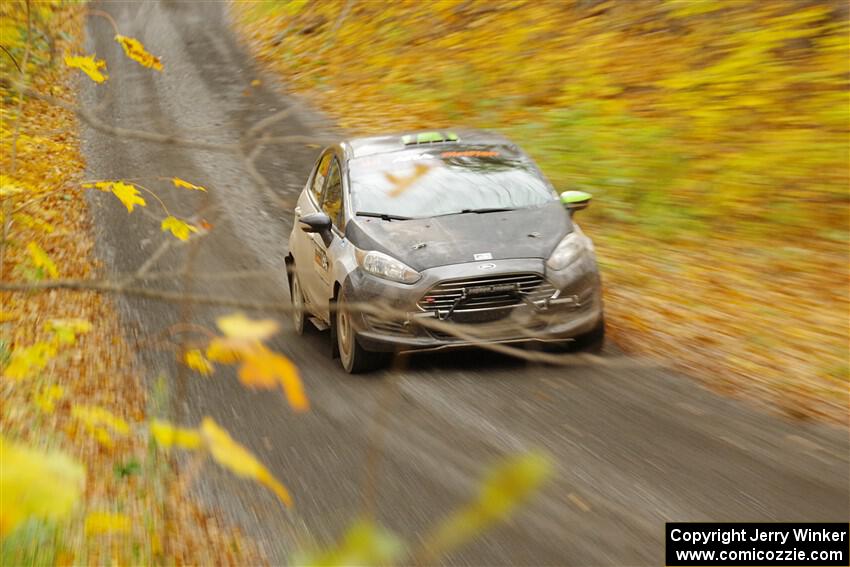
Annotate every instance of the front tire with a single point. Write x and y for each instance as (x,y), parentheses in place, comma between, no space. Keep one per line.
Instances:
(354,358)
(593,341)
(299,314)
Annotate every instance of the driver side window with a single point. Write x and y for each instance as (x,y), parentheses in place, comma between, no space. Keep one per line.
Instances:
(320,176)
(332,203)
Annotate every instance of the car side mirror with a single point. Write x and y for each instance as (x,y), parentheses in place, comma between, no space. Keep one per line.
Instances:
(318,223)
(575,200)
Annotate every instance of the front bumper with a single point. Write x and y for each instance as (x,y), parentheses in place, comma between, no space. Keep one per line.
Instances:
(395,322)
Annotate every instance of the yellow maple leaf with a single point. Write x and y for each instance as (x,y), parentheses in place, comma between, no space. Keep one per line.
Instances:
(88,65)
(195,360)
(25,362)
(128,195)
(137,52)
(46,398)
(36,484)
(264,368)
(178,228)
(236,458)
(237,326)
(41,260)
(106,522)
(186,185)
(167,435)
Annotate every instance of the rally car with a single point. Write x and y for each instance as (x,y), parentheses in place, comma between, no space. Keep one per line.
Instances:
(435,240)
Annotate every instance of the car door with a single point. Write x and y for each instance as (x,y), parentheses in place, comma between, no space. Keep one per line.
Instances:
(304,245)
(333,206)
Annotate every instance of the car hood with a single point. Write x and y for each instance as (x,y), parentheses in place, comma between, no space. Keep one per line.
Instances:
(455,239)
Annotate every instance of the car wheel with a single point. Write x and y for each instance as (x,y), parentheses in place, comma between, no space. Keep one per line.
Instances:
(593,341)
(354,358)
(298,311)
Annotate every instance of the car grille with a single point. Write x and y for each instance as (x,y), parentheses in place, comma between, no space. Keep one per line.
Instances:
(494,331)
(495,293)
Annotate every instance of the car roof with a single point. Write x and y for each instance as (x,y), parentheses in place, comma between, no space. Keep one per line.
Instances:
(373,145)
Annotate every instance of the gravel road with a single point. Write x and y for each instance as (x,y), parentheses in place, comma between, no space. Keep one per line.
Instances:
(635,446)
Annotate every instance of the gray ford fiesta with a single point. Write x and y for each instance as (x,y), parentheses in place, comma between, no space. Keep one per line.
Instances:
(434,240)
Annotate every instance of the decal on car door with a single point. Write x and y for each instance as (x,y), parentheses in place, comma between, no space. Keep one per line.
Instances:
(320,257)
(322,264)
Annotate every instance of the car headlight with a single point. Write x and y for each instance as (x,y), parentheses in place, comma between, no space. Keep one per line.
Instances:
(570,249)
(387,267)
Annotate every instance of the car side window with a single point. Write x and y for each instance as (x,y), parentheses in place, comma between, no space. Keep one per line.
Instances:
(320,176)
(332,203)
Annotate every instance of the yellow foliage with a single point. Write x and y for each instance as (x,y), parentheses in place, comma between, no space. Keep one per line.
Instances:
(10,187)
(66,330)
(236,458)
(167,435)
(264,368)
(261,367)
(224,351)
(195,360)
(128,195)
(26,362)
(46,397)
(178,228)
(40,259)
(33,222)
(126,192)
(137,52)
(237,326)
(100,423)
(507,487)
(92,67)
(106,522)
(608,99)
(105,186)
(365,543)
(6,316)
(186,185)
(36,484)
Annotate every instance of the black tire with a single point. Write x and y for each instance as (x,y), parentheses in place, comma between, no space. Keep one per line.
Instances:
(593,341)
(299,312)
(354,358)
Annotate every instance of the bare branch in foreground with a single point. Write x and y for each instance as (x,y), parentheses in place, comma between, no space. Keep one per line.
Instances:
(471,335)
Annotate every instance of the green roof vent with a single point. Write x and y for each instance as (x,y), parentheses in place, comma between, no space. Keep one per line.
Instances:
(429,138)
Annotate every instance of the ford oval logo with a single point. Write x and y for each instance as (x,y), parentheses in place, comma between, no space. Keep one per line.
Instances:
(486,266)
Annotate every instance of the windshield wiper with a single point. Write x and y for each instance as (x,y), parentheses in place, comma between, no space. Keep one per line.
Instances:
(479,211)
(382,216)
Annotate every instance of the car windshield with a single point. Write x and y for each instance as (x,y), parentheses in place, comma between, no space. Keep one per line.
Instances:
(430,182)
